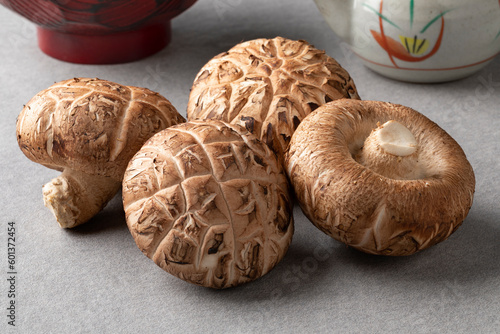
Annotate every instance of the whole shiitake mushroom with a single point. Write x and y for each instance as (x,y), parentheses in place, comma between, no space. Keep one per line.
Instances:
(88,129)
(209,203)
(380,177)
(268,86)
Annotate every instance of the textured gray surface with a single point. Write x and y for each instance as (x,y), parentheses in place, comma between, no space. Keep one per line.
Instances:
(95,280)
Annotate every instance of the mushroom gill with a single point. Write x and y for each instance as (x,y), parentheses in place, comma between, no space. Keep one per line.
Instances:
(379,177)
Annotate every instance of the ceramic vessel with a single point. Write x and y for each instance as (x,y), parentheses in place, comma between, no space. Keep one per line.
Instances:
(100,31)
(418,40)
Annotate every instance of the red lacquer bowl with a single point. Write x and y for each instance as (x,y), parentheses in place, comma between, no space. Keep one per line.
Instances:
(100,31)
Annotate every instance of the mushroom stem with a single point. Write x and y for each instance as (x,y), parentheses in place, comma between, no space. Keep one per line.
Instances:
(75,197)
(392,151)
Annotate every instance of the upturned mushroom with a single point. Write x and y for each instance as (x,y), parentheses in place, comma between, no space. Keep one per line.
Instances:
(88,129)
(268,86)
(209,203)
(380,177)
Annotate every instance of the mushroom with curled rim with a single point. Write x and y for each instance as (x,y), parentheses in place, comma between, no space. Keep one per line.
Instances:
(209,203)
(88,129)
(380,177)
(268,86)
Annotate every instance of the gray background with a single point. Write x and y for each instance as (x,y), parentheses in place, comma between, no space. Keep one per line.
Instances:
(93,279)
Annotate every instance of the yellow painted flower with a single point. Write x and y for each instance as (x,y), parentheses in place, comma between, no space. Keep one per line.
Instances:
(414,45)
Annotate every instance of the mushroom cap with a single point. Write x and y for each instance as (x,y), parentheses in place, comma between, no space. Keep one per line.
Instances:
(209,203)
(268,86)
(91,125)
(366,210)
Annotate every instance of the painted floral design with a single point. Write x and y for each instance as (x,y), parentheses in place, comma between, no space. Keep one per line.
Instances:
(415,48)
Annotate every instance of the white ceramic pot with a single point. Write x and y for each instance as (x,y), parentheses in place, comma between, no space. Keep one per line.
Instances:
(418,40)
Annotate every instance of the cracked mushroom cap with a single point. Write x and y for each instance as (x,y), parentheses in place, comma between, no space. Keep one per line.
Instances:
(268,86)
(209,203)
(89,129)
(91,125)
(381,178)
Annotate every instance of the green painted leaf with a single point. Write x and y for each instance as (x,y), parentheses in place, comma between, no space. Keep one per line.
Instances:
(382,16)
(434,20)
(412,12)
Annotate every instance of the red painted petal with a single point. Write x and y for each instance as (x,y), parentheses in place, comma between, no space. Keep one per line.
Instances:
(393,47)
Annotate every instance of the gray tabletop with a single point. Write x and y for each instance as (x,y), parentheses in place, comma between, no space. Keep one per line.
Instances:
(94,279)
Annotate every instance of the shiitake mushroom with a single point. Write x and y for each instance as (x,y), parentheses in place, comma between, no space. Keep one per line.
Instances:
(380,177)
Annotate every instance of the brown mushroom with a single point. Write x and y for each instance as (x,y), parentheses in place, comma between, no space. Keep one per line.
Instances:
(88,129)
(268,86)
(379,177)
(209,203)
